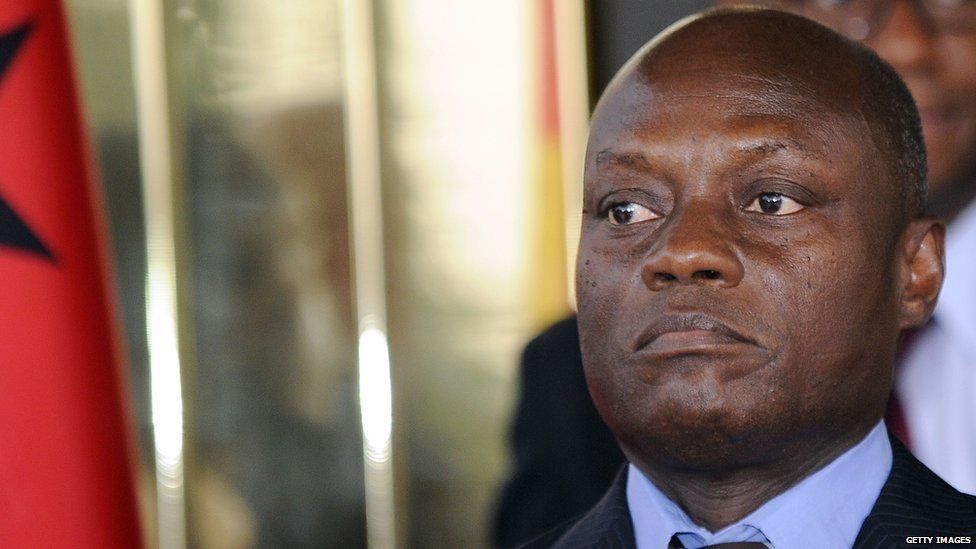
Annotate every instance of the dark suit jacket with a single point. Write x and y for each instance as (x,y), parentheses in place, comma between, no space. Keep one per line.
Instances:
(564,455)
(913,502)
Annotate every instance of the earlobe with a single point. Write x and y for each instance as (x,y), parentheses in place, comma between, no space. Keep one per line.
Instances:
(923,269)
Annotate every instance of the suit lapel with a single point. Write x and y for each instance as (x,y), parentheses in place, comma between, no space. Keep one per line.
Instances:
(606,526)
(915,502)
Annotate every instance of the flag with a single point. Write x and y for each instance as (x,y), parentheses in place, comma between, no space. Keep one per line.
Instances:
(65,471)
(548,252)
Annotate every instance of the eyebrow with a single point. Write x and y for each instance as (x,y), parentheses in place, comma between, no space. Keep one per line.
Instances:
(768,146)
(634,159)
(637,160)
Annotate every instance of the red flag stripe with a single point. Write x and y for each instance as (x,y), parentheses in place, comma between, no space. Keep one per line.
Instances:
(64,446)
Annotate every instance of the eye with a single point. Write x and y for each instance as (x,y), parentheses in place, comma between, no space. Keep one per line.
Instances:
(774,204)
(832,4)
(627,213)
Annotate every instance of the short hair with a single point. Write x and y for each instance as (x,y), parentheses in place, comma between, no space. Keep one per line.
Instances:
(897,131)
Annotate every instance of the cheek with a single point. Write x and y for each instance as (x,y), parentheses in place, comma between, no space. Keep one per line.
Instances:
(605,271)
(606,279)
(595,285)
(835,296)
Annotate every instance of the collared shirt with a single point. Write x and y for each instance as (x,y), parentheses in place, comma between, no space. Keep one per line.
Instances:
(824,510)
(937,379)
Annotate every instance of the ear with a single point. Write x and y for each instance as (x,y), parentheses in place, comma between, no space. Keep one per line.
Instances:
(922,270)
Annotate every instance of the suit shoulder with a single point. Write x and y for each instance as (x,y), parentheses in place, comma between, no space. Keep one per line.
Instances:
(914,500)
(560,336)
(607,525)
(549,539)
(555,355)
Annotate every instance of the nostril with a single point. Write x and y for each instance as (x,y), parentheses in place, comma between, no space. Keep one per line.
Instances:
(707,274)
(664,277)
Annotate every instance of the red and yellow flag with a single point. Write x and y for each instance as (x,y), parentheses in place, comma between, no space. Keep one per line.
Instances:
(65,473)
(548,253)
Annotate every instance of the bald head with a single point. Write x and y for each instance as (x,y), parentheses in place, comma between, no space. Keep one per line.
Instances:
(769,62)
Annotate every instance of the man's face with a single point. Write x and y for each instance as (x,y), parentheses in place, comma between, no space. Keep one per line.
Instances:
(737,263)
(940,71)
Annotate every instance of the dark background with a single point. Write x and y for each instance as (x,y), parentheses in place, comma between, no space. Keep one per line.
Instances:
(618,28)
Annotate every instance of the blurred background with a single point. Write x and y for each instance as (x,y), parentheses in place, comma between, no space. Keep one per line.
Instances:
(364,209)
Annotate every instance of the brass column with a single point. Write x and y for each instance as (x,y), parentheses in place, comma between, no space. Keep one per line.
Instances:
(162,322)
(369,280)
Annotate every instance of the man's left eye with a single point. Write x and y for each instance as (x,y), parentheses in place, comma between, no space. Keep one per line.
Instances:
(627,213)
(774,204)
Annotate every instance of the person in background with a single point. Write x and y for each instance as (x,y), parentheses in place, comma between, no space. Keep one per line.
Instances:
(565,457)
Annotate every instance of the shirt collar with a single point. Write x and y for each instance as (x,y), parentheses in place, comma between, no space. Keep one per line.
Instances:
(825,509)
(955,314)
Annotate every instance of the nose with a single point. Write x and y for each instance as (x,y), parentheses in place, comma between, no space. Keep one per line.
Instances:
(692,249)
(906,39)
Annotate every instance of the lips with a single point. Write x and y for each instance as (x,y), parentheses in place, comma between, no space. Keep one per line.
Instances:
(679,333)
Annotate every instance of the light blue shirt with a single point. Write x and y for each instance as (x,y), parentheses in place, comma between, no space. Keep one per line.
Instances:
(824,510)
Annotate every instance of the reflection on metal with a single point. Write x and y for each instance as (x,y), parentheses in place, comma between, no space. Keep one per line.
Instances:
(574,106)
(366,235)
(458,140)
(149,65)
(374,387)
(375,400)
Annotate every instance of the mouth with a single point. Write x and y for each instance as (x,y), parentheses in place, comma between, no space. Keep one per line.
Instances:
(688,333)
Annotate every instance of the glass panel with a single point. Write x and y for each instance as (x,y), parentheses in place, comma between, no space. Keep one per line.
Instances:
(462,201)
(473,250)
(275,455)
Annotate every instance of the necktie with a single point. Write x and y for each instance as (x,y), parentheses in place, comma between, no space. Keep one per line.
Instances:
(675,543)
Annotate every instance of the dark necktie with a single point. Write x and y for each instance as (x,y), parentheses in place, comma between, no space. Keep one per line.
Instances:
(675,543)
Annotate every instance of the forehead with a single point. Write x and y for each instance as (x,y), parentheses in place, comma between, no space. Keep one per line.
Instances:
(694,106)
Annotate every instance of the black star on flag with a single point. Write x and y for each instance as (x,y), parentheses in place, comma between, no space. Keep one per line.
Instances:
(14,232)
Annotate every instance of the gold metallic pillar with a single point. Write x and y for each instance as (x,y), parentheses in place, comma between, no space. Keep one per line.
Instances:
(366,236)
(158,184)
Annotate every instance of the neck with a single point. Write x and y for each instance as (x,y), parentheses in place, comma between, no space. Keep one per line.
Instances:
(715,499)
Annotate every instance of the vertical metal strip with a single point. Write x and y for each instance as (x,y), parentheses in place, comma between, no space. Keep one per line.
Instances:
(158,186)
(361,109)
(574,106)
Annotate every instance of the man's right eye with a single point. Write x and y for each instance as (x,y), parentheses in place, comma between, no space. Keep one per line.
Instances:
(832,4)
(627,213)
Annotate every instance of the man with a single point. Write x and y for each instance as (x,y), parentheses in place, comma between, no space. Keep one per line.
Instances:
(932,45)
(752,246)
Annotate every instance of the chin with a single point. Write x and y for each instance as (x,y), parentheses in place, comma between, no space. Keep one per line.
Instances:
(699,452)
(705,435)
